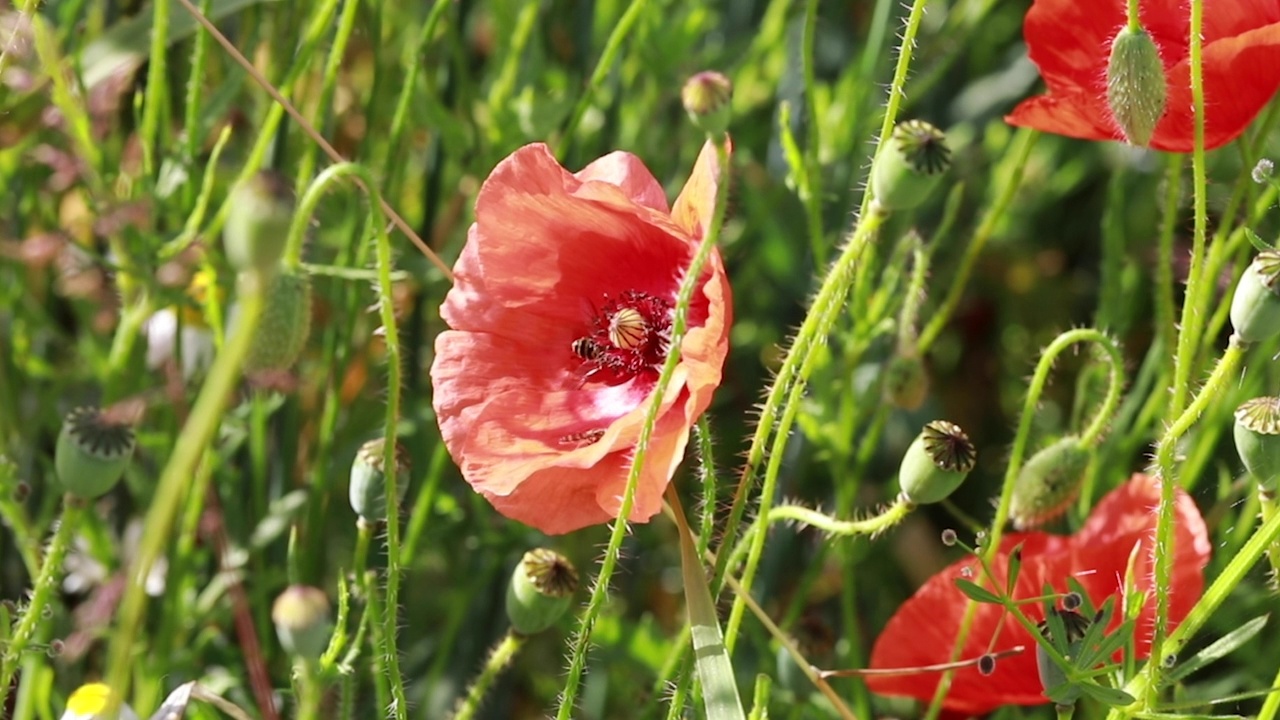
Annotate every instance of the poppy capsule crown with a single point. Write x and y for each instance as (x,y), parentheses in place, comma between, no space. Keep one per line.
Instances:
(1257,436)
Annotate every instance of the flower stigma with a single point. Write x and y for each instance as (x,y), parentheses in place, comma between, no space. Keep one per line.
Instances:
(629,338)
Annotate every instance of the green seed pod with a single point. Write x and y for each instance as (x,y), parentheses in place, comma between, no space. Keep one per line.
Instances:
(706,98)
(1136,89)
(936,463)
(284,325)
(540,591)
(368,490)
(1255,307)
(301,617)
(1257,435)
(1051,675)
(911,166)
(92,453)
(257,228)
(1049,482)
(906,381)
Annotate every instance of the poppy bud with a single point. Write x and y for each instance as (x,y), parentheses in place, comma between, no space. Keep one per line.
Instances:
(301,617)
(284,325)
(1135,85)
(368,491)
(1051,675)
(1257,435)
(906,382)
(92,453)
(541,589)
(905,172)
(936,463)
(706,98)
(89,702)
(1048,483)
(257,228)
(1255,308)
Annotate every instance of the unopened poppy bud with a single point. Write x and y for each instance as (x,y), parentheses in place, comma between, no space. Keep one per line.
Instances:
(1051,676)
(906,381)
(911,166)
(1255,307)
(260,210)
(301,617)
(368,491)
(1049,482)
(936,463)
(540,591)
(706,98)
(89,702)
(1257,435)
(285,323)
(92,453)
(1136,89)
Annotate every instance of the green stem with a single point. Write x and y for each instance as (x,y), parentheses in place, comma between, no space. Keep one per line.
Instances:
(707,468)
(1217,593)
(1135,25)
(679,324)
(41,594)
(875,525)
(607,59)
(813,137)
(157,96)
(1267,502)
(499,658)
(1165,327)
(309,691)
(197,433)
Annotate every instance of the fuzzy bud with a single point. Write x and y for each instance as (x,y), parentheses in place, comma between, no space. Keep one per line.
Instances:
(910,167)
(257,228)
(1255,307)
(906,381)
(936,463)
(92,453)
(285,323)
(1257,435)
(1049,482)
(368,491)
(89,702)
(540,591)
(1136,89)
(706,98)
(301,617)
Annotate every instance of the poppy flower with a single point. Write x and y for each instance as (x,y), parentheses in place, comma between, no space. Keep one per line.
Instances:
(560,319)
(1070,41)
(923,631)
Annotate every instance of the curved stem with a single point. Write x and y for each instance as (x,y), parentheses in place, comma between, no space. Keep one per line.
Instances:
(874,525)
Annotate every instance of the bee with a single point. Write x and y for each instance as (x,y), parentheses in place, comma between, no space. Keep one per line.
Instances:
(587,348)
(582,439)
(627,329)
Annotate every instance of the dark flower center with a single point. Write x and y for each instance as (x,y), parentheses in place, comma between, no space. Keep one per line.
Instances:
(629,337)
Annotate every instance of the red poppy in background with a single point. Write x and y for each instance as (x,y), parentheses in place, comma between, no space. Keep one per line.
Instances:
(561,315)
(924,630)
(1070,41)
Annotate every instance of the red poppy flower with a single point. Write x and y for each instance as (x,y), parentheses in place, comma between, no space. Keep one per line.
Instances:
(1070,41)
(561,315)
(924,629)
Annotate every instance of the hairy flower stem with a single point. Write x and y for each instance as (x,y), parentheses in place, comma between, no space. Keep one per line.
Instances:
(46,582)
(1267,501)
(499,658)
(679,325)
(873,526)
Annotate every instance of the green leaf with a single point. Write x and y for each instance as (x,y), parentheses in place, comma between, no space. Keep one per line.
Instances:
(1015,567)
(719,687)
(1090,644)
(124,47)
(977,593)
(175,706)
(1217,650)
(1258,243)
(1107,695)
